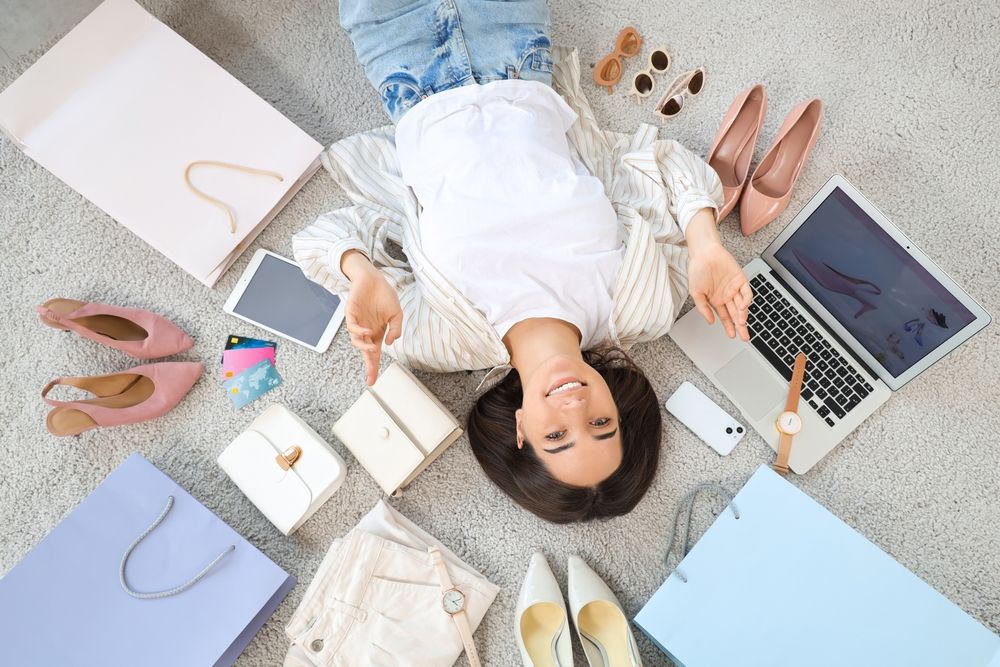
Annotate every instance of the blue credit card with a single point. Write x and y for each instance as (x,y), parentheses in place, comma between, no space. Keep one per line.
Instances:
(252,383)
(239,342)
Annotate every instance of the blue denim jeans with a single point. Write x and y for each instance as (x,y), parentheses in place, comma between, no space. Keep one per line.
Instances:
(411,49)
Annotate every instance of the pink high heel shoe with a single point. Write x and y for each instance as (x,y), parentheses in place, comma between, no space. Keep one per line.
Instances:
(734,144)
(769,190)
(139,333)
(136,395)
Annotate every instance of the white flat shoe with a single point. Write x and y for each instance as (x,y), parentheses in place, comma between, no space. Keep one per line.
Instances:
(600,622)
(540,619)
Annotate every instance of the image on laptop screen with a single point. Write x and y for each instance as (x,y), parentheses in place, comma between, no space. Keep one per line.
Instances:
(896,309)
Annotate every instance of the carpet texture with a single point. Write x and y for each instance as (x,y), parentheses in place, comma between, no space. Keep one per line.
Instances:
(911,120)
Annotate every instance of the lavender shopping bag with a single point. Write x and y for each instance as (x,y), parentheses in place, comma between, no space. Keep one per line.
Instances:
(65,603)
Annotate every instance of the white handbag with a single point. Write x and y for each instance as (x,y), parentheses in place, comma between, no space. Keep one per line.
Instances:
(284,467)
(396,428)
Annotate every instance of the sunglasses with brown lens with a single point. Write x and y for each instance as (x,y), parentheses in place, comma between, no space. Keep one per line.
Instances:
(643,82)
(686,85)
(609,70)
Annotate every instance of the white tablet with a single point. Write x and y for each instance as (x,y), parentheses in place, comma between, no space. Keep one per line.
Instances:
(275,295)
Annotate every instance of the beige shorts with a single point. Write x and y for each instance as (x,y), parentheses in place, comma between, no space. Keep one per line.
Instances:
(376,600)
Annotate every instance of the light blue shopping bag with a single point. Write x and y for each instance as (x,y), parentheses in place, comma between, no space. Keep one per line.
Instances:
(782,582)
(194,592)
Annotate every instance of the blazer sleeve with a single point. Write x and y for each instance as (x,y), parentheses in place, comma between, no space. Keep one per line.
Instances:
(662,186)
(688,182)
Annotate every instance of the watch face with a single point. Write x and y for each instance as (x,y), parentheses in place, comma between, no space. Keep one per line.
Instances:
(789,423)
(453,601)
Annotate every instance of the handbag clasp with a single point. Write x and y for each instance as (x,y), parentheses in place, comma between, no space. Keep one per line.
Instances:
(289,457)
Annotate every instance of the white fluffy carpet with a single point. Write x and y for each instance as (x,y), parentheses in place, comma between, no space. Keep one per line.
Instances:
(911,119)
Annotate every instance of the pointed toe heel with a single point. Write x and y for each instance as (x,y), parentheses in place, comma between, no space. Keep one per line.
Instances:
(541,626)
(734,144)
(136,332)
(137,395)
(600,621)
(769,189)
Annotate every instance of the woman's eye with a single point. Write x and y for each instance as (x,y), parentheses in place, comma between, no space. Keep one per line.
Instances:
(555,435)
(603,421)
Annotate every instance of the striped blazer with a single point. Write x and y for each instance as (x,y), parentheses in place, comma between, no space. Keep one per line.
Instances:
(656,187)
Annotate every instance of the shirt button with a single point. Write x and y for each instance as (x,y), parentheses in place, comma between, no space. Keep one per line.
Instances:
(316,645)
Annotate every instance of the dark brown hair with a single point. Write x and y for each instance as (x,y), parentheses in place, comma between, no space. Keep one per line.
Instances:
(521,474)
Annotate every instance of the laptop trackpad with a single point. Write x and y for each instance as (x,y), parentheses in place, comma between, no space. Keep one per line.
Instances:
(750,385)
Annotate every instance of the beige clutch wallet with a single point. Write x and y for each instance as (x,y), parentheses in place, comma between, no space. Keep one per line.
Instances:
(396,428)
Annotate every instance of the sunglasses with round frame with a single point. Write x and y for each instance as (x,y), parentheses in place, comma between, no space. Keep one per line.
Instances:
(660,54)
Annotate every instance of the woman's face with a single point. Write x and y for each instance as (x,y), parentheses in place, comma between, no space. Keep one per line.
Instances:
(570,419)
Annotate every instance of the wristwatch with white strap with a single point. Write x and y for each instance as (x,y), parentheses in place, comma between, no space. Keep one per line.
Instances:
(789,423)
(453,603)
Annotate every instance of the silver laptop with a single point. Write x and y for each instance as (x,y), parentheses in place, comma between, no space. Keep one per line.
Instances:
(844,285)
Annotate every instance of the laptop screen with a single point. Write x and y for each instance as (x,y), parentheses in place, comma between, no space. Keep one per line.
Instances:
(894,308)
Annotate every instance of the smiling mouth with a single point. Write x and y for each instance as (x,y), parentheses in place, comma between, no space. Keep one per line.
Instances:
(565,386)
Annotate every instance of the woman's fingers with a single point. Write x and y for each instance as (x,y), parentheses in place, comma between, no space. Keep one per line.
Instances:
(725,318)
(742,301)
(370,352)
(701,303)
(739,318)
(746,295)
(355,328)
(394,329)
(363,343)
(371,365)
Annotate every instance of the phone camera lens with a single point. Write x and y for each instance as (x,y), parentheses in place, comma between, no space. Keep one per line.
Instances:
(729,430)
(739,429)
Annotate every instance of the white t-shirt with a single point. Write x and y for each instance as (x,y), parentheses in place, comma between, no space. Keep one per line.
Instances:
(508,217)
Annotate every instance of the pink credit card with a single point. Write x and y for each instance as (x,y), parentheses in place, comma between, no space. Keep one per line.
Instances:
(236,361)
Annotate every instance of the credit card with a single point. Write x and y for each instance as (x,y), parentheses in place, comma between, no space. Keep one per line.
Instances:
(252,383)
(236,361)
(239,342)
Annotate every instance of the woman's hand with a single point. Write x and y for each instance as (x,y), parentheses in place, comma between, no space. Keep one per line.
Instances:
(715,280)
(372,312)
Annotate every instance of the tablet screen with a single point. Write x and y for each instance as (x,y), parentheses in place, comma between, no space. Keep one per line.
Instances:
(280,297)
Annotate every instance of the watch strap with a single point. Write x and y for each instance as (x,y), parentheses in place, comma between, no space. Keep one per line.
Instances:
(465,630)
(784,451)
(795,385)
(791,405)
(461,619)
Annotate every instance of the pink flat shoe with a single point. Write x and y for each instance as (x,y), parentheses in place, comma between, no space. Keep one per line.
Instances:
(139,333)
(734,144)
(133,396)
(769,190)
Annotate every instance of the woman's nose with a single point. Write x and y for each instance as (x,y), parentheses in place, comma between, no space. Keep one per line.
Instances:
(572,404)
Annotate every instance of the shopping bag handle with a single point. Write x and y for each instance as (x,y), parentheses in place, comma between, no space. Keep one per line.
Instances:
(171,591)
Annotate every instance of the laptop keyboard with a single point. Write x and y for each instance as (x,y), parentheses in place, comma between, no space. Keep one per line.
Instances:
(779,332)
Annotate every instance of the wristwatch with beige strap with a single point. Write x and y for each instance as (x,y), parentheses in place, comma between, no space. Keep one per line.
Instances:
(789,423)
(453,602)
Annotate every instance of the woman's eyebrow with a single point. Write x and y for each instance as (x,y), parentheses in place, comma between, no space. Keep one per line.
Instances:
(561,448)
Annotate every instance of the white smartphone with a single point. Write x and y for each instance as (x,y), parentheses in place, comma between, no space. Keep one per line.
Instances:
(276,296)
(705,418)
